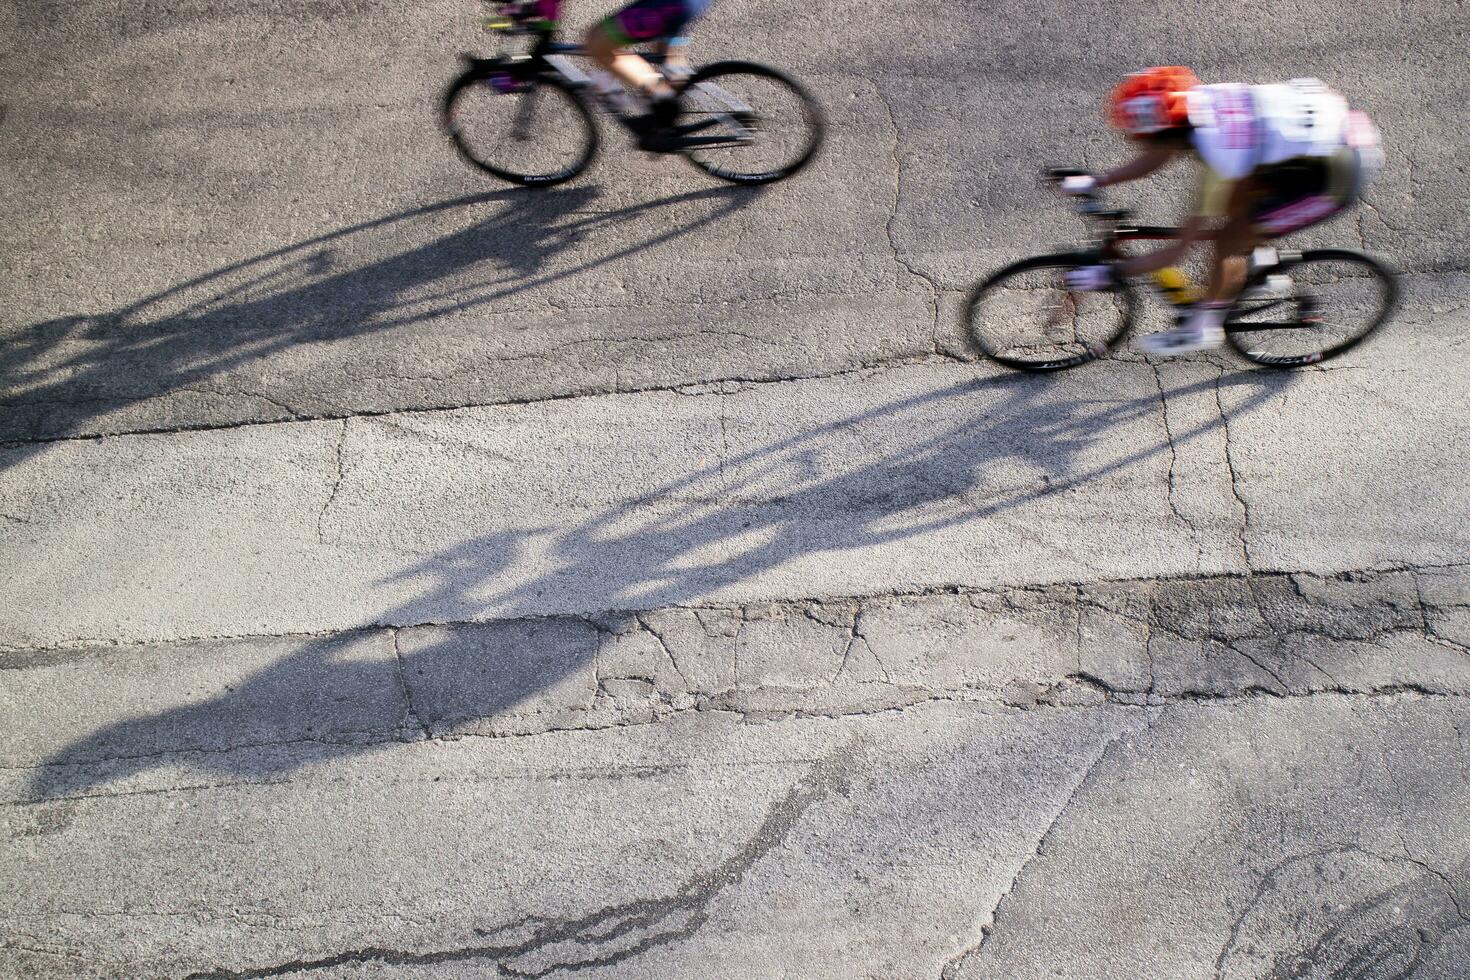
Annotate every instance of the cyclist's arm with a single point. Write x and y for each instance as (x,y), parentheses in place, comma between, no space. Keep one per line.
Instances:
(1145,163)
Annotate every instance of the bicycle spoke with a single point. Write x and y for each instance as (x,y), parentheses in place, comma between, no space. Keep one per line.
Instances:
(724,110)
(520,129)
(722,98)
(755,124)
(1264,325)
(743,135)
(1263,307)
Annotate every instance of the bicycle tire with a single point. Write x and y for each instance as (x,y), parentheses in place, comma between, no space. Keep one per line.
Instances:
(477,80)
(1055,354)
(701,110)
(1261,340)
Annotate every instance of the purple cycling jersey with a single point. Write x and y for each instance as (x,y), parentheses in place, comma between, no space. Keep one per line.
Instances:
(641,20)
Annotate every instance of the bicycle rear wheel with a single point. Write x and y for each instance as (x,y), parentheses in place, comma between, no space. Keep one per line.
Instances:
(1025,317)
(528,128)
(747,123)
(1311,307)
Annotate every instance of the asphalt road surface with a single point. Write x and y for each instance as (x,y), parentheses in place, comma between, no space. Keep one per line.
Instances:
(406,576)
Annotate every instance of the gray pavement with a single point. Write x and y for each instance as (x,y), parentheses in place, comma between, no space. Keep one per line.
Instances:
(408,577)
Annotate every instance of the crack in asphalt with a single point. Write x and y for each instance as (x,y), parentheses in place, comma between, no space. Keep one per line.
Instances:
(932,287)
(1342,920)
(1174,464)
(906,699)
(1220,639)
(57,952)
(321,516)
(609,935)
(682,387)
(410,722)
(988,928)
(1245,507)
(296,415)
(854,630)
(1397,799)
(358,739)
(663,644)
(16,657)
(241,784)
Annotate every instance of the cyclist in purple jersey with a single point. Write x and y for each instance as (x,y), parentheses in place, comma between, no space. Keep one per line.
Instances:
(610,41)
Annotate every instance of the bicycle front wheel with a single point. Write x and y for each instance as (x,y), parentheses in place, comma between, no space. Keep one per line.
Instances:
(747,123)
(1311,307)
(529,129)
(1025,317)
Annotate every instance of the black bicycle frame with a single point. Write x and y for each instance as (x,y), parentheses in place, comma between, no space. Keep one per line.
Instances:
(1116,232)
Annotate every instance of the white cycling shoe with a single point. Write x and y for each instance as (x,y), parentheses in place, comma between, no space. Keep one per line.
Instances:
(1202,328)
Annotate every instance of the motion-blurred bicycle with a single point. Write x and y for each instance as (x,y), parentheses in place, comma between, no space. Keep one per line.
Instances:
(1297,308)
(528,118)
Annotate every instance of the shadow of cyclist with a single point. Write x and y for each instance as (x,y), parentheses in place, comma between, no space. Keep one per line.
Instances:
(978,450)
(200,341)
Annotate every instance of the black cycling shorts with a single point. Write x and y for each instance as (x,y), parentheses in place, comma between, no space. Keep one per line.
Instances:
(1305,190)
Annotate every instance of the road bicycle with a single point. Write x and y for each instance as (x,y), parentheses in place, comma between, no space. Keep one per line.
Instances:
(528,118)
(1297,308)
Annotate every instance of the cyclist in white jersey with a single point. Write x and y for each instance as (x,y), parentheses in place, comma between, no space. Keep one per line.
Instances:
(1276,158)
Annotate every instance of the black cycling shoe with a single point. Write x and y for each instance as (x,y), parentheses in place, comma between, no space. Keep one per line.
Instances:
(655,127)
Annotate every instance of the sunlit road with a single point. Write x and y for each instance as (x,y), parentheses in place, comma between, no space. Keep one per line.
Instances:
(403,576)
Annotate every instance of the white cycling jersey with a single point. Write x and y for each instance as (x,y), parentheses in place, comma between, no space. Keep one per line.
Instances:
(1238,128)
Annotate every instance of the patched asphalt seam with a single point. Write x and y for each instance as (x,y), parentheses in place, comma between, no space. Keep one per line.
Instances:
(18,657)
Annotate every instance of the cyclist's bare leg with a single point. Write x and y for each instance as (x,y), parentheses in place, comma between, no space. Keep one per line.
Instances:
(628,67)
(1233,243)
(1202,326)
(1228,260)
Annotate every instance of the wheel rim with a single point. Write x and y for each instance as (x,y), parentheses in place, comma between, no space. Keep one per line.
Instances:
(1317,308)
(1028,318)
(531,132)
(767,127)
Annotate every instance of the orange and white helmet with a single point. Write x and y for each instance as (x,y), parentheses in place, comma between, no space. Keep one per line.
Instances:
(1151,101)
